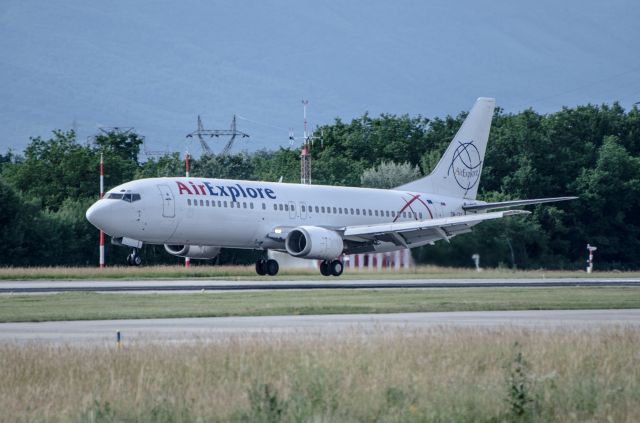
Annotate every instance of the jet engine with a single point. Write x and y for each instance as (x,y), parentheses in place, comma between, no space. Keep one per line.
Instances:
(193,251)
(313,242)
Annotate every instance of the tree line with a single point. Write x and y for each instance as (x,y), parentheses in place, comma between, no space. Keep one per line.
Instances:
(591,151)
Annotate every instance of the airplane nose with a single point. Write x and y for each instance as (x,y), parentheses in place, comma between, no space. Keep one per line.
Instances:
(97,214)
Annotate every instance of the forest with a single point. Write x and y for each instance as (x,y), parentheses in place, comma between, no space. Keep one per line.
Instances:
(591,151)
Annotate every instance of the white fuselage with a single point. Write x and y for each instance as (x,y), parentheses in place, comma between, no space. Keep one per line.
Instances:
(243,214)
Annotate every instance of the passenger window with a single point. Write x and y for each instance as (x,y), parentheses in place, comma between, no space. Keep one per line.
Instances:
(387,213)
(219,203)
(420,215)
(207,203)
(322,209)
(393,214)
(358,212)
(329,210)
(225,204)
(370,212)
(264,206)
(302,207)
(188,201)
(317,210)
(339,210)
(244,205)
(286,207)
(251,205)
(376,213)
(275,207)
(351,211)
(280,207)
(293,208)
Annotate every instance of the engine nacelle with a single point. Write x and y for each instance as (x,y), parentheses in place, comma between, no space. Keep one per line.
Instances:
(193,251)
(314,243)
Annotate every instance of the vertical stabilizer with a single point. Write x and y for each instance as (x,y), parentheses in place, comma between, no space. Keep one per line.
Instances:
(458,171)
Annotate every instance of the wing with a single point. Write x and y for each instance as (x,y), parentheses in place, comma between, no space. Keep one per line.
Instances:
(413,234)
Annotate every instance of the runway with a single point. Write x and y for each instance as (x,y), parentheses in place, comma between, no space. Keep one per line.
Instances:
(103,332)
(190,285)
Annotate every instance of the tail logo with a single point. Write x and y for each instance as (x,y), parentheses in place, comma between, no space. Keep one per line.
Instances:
(465,165)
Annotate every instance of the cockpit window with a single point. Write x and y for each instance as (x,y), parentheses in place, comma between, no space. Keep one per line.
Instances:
(129,198)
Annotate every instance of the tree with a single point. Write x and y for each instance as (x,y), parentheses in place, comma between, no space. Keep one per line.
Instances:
(606,215)
(388,175)
(54,170)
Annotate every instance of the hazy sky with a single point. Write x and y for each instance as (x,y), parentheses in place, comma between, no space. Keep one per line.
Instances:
(156,65)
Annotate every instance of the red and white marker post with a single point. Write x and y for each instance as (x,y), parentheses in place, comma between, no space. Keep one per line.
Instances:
(101,195)
(187,261)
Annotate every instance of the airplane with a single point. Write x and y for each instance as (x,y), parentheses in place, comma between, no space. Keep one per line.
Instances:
(196,217)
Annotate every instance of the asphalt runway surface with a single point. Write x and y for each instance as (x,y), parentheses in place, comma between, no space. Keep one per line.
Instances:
(103,332)
(190,285)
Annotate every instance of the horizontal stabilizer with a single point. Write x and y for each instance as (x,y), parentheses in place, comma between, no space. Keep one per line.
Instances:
(515,203)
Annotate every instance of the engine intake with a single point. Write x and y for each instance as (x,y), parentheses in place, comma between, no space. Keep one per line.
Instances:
(193,251)
(314,243)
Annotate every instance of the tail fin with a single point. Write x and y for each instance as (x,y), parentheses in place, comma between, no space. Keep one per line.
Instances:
(458,171)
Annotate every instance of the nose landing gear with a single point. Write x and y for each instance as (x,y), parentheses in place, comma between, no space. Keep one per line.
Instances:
(267,267)
(331,267)
(134,259)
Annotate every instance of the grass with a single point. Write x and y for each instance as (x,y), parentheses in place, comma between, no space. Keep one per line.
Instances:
(93,306)
(477,375)
(248,273)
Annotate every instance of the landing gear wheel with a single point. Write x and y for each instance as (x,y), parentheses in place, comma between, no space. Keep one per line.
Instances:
(272,267)
(261,267)
(336,267)
(134,259)
(324,268)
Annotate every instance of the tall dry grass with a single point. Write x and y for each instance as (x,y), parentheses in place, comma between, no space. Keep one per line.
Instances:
(430,375)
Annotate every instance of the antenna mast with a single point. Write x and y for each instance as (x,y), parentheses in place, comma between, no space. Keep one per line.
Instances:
(305,157)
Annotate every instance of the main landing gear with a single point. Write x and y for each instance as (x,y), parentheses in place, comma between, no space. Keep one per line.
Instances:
(331,267)
(134,259)
(267,267)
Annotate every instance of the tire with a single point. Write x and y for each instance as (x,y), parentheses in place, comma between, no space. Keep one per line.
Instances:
(324,268)
(336,267)
(272,267)
(129,260)
(261,268)
(137,260)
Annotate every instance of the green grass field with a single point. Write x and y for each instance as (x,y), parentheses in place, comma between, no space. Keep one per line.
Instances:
(92,306)
(248,273)
(439,375)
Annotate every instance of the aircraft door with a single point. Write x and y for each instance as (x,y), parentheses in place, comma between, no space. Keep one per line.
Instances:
(292,210)
(303,210)
(168,202)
